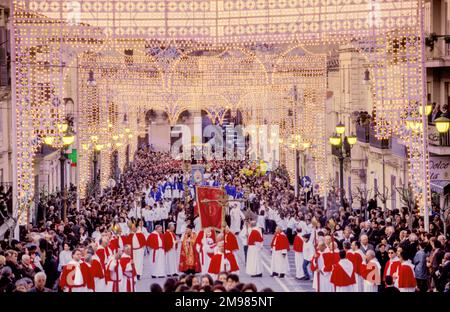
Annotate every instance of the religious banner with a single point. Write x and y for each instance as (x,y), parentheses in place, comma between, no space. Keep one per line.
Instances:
(210,204)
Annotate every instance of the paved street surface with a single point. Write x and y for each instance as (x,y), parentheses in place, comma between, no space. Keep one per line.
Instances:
(288,283)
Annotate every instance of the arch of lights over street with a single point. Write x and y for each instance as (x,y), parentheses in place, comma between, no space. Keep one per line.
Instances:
(214,55)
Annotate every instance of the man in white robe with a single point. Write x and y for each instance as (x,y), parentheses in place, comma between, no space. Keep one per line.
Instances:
(321,281)
(114,273)
(371,272)
(128,270)
(280,246)
(158,258)
(255,244)
(236,216)
(343,274)
(298,252)
(138,242)
(181,222)
(170,248)
(76,275)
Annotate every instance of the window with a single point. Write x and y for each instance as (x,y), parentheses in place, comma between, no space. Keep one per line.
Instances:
(375,186)
(447,94)
(349,194)
(427,18)
(393,192)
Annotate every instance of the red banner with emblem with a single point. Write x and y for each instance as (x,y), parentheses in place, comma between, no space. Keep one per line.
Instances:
(209,207)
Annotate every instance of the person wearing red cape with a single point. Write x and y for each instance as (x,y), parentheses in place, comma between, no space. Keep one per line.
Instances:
(170,249)
(343,274)
(128,270)
(280,247)
(205,244)
(222,261)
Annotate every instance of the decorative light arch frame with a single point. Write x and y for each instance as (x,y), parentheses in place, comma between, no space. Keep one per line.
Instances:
(390,32)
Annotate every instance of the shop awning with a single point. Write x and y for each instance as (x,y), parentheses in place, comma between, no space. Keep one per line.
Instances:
(440,186)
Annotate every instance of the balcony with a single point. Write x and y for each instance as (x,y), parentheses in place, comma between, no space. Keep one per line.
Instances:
(438,144)
(362,133)
(384,144)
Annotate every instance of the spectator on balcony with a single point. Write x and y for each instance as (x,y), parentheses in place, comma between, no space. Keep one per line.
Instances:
(436,113)
(444,111)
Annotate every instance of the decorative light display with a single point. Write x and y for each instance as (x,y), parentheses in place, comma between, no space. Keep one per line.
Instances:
(110,43)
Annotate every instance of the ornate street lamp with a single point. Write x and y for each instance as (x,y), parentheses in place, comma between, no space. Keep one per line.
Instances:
(428,109)
(337,141)
(67,139)
(351,139)
(340,128)
(442,124)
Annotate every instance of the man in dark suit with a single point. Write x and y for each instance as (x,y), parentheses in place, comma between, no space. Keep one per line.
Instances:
(348,238)
(443,279)
(390,288)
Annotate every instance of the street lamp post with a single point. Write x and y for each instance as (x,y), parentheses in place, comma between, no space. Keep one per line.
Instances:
(337,140)
(62,160)
(95,165)
(67,139)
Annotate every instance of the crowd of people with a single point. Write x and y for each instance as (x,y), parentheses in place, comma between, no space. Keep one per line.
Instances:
(149,215)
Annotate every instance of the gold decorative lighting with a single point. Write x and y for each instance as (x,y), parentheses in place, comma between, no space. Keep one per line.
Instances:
(340,128)
(68,139)
(351,139)
(99,147)
(442,124)
(428,109)
(49,140)
(335,140)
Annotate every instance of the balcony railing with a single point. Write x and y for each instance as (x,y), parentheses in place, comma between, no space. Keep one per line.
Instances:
(436,138)
(373,140)
(362,133)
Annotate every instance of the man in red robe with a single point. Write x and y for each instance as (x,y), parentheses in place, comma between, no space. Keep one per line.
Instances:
(156,243)
(392,264)
(113,273)
(343,274)
(222,261)
(128,270)
(137,240)
(204,245)
(189,258)
(298,252)
(97,271)
(358,259)
(322,266)
(255,244)
(170,249)
(280,247)
(230,240)
(371,271)
(406,276)
(103,251)
(76,275)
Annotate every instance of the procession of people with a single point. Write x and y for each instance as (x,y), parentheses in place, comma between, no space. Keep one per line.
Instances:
(147,226)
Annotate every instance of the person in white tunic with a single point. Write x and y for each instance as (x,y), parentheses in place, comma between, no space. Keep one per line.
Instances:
(114,273)
(206,250)
(138,242)
(236,216)
(181,222)
(255,244)
(372,272)
(170,249)
(158,259)
(343,274)
(280,247)
(197,225)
